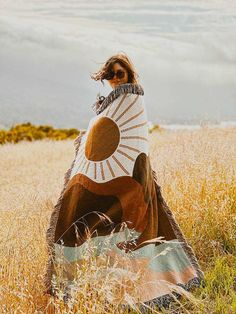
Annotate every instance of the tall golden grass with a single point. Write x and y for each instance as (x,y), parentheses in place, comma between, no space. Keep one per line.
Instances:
(197,172)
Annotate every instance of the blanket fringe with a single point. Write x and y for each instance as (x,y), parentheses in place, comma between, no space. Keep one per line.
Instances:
(164,300)
(50,234)
(177,230)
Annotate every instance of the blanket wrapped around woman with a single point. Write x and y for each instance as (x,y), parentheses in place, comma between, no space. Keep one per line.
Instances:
(111,175)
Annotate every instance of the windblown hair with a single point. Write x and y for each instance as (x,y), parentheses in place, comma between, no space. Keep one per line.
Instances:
(124,61)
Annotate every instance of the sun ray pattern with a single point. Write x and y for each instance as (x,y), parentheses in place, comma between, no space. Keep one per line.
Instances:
(124,154)
(118,106)
(131,148)
(95,171)
(134,138)
(135,116)
(102,170)
(120,165)
(110,168)
(124,112)
(108,110)
(85,163)
(119,134)
(134,126)
(87,167)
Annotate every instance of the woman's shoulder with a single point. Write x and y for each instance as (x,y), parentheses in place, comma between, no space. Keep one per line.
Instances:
(133,99)
(128,99)
(124,93)
(128,103)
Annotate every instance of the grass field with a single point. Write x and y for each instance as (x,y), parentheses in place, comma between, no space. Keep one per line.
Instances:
(197,172)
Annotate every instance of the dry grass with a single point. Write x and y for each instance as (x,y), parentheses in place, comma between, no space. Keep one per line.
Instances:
(196,170)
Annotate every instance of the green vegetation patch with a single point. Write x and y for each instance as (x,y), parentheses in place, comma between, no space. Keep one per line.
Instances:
(30,132)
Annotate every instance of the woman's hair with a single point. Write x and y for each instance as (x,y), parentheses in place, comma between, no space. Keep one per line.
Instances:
(124,61)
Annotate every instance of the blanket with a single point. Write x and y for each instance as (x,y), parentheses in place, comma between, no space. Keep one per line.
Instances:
(111,176)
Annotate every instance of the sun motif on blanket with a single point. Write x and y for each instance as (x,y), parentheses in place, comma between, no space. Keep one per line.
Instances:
(113,140)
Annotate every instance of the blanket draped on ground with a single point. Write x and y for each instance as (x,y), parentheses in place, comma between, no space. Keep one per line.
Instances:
(111,174)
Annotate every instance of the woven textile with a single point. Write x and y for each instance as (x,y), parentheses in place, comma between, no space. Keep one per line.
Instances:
(111,175)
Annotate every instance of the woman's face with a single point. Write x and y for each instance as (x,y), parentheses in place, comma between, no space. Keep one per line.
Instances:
(118,80)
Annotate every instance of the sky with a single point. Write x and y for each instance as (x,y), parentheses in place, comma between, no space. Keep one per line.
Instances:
(184,52)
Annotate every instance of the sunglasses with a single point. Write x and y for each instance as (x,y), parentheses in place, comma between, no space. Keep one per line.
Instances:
(119,74)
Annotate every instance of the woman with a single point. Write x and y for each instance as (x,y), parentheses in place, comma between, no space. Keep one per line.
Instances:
(111,175)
